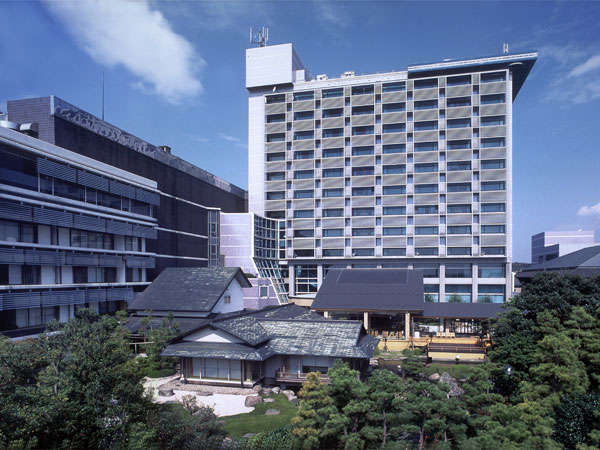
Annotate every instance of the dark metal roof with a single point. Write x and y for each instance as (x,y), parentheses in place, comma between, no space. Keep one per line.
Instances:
(194,289)
(462,310)
(217,350)
(588,257)
(381,290)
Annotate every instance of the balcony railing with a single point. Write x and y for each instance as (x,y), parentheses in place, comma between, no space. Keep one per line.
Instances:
(298,377)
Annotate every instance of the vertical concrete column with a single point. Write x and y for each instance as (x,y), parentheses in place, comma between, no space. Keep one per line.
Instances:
(442,282)
(326,314)
(319,275)
(475,279)
(407,325)
(292,283)
(366,321)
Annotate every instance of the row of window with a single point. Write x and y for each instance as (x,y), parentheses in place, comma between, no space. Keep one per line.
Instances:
(418,251)
(401,231)
(32,274)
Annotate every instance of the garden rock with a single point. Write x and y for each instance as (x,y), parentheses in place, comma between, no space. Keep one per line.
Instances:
(266,391)
(257,388)
(253,400)
(268,400)
(276,390)
(203,394)
(166,392)
(271,412)
(288,393)
(434,377)
(293,399)
(455,389)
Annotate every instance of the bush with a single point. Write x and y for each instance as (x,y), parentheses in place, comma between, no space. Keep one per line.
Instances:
(279,439)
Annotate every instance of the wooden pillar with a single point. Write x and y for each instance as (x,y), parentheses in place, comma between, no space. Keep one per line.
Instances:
(326,314)
(366,321)
(407,325)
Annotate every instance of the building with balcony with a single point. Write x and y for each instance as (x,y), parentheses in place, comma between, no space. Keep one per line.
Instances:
(74,233)
(406,169)
(549,245)
(190,198)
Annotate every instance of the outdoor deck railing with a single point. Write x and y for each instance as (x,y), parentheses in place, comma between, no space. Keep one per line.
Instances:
(298,376)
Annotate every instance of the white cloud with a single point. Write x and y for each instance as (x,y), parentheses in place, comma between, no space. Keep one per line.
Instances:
(331,13)
(593,210)
(592,63)
(229,138)
(131,34)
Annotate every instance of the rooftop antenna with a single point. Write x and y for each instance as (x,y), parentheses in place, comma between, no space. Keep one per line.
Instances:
(102,95)
(259,37)
(505,48)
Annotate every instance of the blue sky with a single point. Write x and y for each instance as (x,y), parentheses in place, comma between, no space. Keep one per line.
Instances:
(175,75)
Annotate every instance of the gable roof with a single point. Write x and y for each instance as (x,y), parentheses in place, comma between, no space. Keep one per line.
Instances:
(247,328)
(382,290)
(196,289)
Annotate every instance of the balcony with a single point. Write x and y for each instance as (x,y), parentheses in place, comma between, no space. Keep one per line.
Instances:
(297,377)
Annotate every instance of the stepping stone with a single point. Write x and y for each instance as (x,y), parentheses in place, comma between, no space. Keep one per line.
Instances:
(166,392)
(271,412)
(248,435)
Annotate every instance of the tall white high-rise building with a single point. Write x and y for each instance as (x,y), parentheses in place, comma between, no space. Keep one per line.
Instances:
(400,169)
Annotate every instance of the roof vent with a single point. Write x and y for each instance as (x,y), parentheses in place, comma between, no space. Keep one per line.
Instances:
(322,77)
(5,123)
(165,148)
(348,74)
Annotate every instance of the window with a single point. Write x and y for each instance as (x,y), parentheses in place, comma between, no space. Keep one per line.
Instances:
(458,80)
(458,187)
(493,77)
(491,271)
(363,232)
(426,146)
(458,123)
(362,211)
(394,231)
(394,148)
(335,112)
(274,118)
(333,212)
(359,131)
(459,229)
(362,151)
(493,207)
(71,190)
(330,173)
(399,251)
(394,128)
(306,278)
(459,145)
(426,167)
(275,214)
(363,170)
(492,229)
(426,230)
(338,192)
(275,176)
(426,84)
(307,95)
(31,274)
(304,115)
(303,213)
(432,293)
(333,152)
(27,233)
(303,174)
(305,193)
(276,137)
(458,293)
(360,191)
(363,252)
(492,142)
(429,125)
(333,132)
(361,110)
(394,169)
(430,270)
(492,99)
(304,154)
(278,195)
(393,107)
(426,209)
(426,251)
(361,90)
(80,274)
(492,121)
(280,98)
(493,186)
(458,209)
(303,135)
(276,156)
(304,233)
(458,101)
(394,87)
(394,210)
(394,190)
(227,299)
(426,188)
(492,251)
(458,271)
(331,93)
(333,232)
(490,293)
(493,164)
(264,291)
(425,104)
(458,165)
(333,252)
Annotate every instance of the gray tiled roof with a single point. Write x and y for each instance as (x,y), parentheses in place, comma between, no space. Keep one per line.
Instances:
(184,324)
(384,290)
(187,289)
(217,350)
(246,328)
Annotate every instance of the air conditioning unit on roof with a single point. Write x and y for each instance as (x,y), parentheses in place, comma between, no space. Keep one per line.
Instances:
(322,77)
(349,73)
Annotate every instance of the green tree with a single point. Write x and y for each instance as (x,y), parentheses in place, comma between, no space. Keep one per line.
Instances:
(385,386)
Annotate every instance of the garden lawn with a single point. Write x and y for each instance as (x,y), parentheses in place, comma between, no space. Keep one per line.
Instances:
(256,421)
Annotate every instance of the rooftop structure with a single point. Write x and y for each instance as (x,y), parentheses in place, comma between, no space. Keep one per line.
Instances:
(548,245)
(584,262)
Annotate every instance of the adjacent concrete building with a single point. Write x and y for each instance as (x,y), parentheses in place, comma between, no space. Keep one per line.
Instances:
(406,169)
(549,245)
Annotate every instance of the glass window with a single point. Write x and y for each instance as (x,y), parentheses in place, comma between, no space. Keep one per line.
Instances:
(426,188)
(307,95)
(361,90)
(333,252)
(332,152)
(492,121)
(363,232)
(492,229)
(362,211)
(426,167)
(426,230)
(458,80)
(394,169)
(458,165)
(394,231)
(426,84)
(361,110)
(459,145)
(428,125)
(363,170)
(394,128)
(333,232)
(458,101)
(458,123)
(425,104)
(274,118)
(304,115)
(393,107)
(306,279)
(358,131)
(458,209)
(305,193)
(303,135)
(362,151)
(493,164)
(493,186)
(426,251)
(492,98)
(398,251)
(493,77)
(71,190)
(304,233)
(330,93)
(303,174)
(394,87)
(333,112)
(333,132)
(303,213)
(275,176)
(493,251)
(426,209)
(490,293)
(394,190)
(432,293)
(360,191)
(330,173)
(304,154)
(493,207)
(279,98)
(426,146)
(458,293)
(394,210)
(276,156)
(491,271)
(492,142)
(458,187)
(458,251)
(363,252)
(394,148)
(459,229)
(276,137)
(333,212)
(338,192)
(430,270)
(459,271)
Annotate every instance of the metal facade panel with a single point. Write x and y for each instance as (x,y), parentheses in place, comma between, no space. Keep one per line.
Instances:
(334,102)
(393,138)
(368,139)
(394,158)
(116,294)
(422,157)
(458,176)
(333,122)
(333,202)
(393,97)
(425,114)
(393,180)
(363,161)
(81,259)
(11,255)
(52,217)
(364,181)
(146,196)
(426,178)
(110,260)
(303,243)
(303,125)
(92,223)
(459,219)
(361,100)
(363,242)
(492,88)
(56,298)
(46,257)
(277,127)
(426,136)
(335,142)
(461,111)
(459,155)
(394,117)
(493,175)
(394,241)
(333,242)
(275,147)
(304,105)
(426,94)
(303,184)
(274,108)
(363,221)
(271,186)
(492,153)
(302,164)
(492,110)
(493,218)
(118,227)
(118,188)
(20,300)
(458,197)
(493,239)
(365,119)
(426,241)
(458,133)
(397,221)
(363,201)
(492,197)
(15,211)
(394,200)
(426,199)
(459,91)
(140,262)
(274,205)
(303,203)
(333,182)
(57,170)
(333,222)
(495,131)
(328,163)
(308,144)
(427,220)
(304,223)
(459,241)
(92,180)
(96,295)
